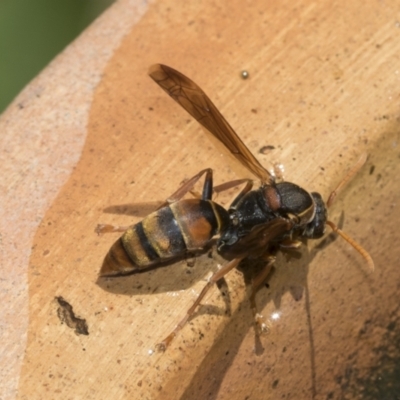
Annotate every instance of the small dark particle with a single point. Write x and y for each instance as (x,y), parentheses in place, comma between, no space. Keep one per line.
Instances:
(254,110)
(244,74)
(266,149)
(372,169)
(190,260)
(66,315)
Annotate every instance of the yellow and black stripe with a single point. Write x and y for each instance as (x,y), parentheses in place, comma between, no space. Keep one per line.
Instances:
(170,232)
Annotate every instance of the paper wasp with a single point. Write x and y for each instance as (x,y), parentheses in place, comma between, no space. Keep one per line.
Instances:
(257,222)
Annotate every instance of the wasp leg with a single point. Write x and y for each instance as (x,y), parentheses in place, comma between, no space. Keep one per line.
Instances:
(208,188)
(106,228)
(231,184)
(188,186)
(213,279)
(260,324)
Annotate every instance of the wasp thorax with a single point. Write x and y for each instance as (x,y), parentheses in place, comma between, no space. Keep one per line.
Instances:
(296,201)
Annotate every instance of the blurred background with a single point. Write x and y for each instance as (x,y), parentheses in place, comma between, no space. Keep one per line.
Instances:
(33,32)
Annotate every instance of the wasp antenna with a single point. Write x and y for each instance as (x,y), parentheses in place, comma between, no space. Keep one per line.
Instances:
(356,245)
(361,161)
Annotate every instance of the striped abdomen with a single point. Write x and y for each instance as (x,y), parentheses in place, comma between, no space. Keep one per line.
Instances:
(170,232)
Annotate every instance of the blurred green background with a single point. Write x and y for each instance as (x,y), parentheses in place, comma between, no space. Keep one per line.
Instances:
(33,32)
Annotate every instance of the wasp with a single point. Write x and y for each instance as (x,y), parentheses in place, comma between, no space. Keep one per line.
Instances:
(275,215)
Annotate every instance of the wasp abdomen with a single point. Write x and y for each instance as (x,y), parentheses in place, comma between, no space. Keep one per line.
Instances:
(170,232)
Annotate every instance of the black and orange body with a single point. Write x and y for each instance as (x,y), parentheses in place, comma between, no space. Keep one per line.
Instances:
(168,233)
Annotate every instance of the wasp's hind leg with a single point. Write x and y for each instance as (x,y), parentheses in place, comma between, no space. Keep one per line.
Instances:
(188,186)
(231,184)
(261,326)
(213,279)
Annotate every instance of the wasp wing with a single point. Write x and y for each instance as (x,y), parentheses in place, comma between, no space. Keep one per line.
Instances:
(185,92)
